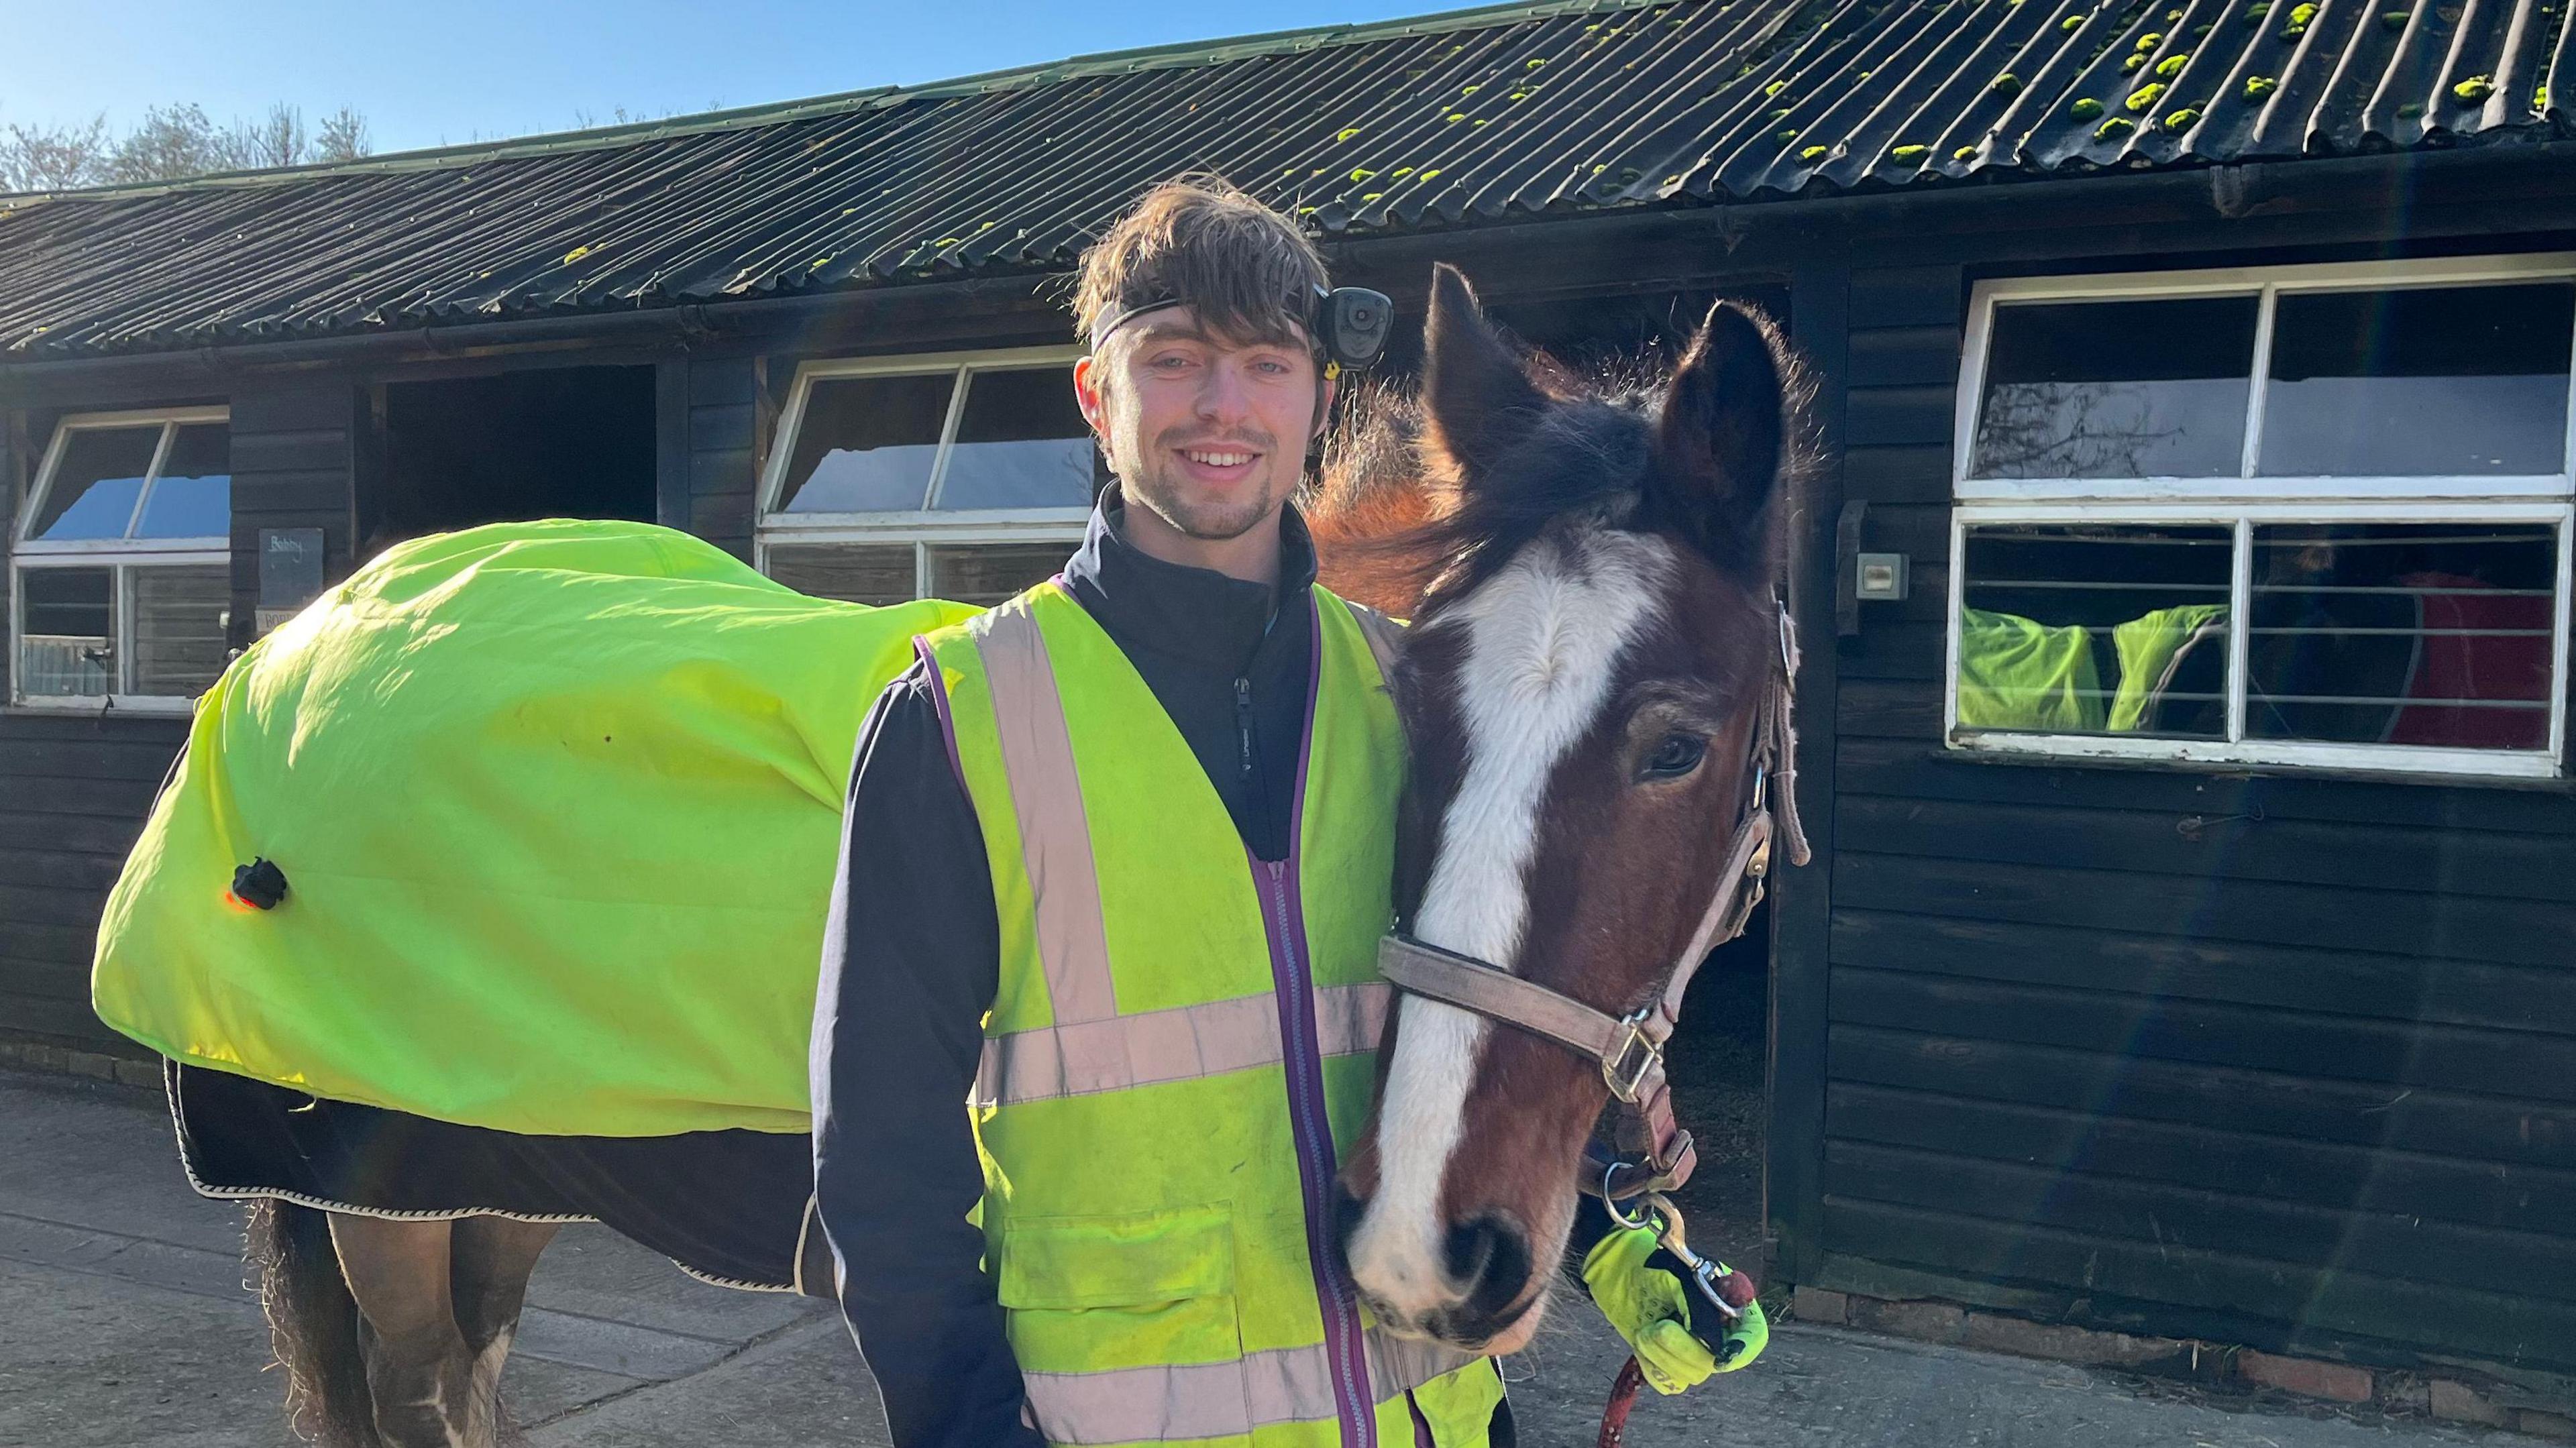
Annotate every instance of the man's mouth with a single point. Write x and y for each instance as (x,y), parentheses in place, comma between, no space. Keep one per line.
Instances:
(1219,464)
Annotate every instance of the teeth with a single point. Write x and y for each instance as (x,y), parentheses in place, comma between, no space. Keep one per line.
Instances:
(1218,459)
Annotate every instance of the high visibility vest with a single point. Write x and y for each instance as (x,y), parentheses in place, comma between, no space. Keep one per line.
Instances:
(1182,1044)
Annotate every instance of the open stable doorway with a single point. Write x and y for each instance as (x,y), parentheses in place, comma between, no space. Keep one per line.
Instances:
(558,442)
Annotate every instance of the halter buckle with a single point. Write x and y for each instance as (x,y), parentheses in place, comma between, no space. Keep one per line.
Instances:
(1626,1080)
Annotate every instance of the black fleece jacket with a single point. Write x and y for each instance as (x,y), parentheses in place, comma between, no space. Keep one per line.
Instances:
(911,961)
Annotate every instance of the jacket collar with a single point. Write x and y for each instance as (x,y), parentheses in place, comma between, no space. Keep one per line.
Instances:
(1196,614)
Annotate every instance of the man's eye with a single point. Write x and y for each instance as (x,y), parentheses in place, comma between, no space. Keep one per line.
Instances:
(1169,362)
(1676,756)
(1273,366)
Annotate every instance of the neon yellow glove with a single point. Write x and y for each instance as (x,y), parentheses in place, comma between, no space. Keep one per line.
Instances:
(1651,1308)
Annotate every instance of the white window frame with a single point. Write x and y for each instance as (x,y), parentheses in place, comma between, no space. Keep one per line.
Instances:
(924,529)
(122,555)
(2242,502)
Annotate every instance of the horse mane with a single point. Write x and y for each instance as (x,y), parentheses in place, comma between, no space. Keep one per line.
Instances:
(1374,499)
(1394,529)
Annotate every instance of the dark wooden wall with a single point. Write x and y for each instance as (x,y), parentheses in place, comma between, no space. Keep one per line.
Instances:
(294,466)
(2283,1060)
(727,397)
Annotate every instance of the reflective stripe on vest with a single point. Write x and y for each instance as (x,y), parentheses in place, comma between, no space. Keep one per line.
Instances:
(1046,798)
(1169,1045)
(1180,1034)
(1228,1399)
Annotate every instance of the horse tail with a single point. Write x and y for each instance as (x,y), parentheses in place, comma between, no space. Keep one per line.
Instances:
(312,1323)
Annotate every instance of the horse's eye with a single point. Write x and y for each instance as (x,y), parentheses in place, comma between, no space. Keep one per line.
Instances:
(1676,756)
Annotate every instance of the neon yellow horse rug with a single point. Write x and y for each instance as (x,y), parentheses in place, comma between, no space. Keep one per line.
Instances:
(557,806)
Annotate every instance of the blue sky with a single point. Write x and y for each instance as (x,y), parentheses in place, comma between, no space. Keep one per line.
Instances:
(430,72)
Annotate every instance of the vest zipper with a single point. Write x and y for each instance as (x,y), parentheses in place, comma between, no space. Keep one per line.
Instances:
(1292,982)
(1344,1346)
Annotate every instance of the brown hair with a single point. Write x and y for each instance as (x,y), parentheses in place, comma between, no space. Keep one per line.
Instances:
(1246,270)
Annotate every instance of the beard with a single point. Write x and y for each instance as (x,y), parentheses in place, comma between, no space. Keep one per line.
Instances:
(1160,485)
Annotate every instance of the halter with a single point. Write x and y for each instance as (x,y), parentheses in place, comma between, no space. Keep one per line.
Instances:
(1630,1049)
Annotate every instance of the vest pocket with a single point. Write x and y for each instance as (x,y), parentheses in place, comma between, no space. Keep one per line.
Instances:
(1143,1289)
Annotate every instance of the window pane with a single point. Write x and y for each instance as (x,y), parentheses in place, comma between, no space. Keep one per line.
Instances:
(866,444)
(68,632)
(2448,380)
(193,495)
(96,482)
(2118,629)
(2402,633)
(179,629)
(871,573)
(2152,389)
(987,575)
(1022,443)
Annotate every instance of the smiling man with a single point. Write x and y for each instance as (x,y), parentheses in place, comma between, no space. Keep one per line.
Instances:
(1118,855)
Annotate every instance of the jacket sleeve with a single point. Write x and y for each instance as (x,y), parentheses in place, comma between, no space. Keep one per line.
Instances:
(911,955)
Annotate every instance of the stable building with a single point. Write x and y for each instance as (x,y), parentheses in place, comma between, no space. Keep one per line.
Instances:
(2185,573)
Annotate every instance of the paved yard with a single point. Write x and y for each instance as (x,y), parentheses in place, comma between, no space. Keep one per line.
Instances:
(124,1322)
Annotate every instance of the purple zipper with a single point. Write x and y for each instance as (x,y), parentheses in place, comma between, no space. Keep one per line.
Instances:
(1284,925)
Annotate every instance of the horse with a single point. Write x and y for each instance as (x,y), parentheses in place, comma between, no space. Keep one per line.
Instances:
(1593,577)
(1584,689)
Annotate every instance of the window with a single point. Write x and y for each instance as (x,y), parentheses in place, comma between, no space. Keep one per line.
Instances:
(2299,515)
(120,571)
(965,477)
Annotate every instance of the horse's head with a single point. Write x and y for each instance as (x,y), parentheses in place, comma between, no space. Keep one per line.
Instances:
(1583,688)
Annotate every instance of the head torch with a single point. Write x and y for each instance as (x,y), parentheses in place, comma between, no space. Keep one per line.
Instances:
(1347,326)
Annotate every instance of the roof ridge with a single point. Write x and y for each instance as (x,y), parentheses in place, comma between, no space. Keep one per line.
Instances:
(1168,56)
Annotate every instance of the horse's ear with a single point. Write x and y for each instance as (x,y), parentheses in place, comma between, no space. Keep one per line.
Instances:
(1475,389)
(1720,443)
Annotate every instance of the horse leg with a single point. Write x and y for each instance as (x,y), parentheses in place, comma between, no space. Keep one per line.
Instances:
(418,1369)
(313,1323)
(489,1262)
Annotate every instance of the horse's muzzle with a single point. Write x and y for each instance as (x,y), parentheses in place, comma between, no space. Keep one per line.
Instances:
(1485,1288)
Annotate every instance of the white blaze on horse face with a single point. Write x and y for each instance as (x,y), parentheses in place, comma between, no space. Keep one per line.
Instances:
(1544,637)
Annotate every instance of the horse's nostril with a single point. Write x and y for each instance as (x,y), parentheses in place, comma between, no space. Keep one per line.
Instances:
(1489,1260)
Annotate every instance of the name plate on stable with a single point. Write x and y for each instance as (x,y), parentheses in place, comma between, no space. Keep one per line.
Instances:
(290,573)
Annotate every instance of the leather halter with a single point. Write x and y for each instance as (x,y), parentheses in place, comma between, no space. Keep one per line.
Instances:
(1630,1048)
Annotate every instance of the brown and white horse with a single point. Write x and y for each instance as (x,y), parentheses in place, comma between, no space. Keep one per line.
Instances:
(1582,687)
(1581,690)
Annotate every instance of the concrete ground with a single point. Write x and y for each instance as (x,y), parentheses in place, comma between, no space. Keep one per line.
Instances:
(124,1321)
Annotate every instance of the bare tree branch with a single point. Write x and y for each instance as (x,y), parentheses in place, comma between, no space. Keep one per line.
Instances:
(343,137)
(171,143)
(54,158)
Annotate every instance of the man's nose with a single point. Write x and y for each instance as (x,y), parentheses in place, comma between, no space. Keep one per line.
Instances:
(1222,397)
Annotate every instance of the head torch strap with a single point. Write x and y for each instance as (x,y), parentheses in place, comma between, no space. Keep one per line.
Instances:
(1339,346)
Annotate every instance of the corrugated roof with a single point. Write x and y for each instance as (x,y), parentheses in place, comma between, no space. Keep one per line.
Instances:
(1452,120)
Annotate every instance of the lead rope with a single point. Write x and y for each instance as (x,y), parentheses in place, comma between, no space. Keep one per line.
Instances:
(1623,1401)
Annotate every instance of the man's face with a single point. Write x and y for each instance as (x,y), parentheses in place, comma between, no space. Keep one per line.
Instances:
(1207,432)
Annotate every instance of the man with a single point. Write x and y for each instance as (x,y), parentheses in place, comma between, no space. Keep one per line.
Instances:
(1117,857)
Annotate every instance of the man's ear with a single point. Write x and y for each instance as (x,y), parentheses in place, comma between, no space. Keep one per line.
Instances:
(1086,394)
